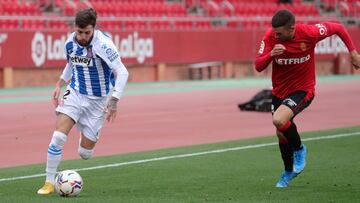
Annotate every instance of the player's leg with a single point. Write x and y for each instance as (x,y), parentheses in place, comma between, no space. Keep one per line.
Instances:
(63,126)
(90,124)
(283,121)
(67,115)
(279,117)
(303,100)
(286,151)
(86,147)
(283,116)
(285,148)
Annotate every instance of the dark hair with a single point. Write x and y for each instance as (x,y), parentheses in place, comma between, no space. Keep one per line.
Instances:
(86,17)
(283,18)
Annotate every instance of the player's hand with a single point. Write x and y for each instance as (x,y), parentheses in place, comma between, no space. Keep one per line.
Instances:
(355,59)
(55,96)
(111,109)
(277,50)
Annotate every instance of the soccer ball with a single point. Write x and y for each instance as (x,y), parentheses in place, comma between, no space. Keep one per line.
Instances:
(68,183)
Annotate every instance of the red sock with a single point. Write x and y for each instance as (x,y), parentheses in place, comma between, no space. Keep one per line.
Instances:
(283,141)
(285,127)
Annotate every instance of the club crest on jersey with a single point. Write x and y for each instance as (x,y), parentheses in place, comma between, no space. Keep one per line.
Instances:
(303,46)
(80,60)
(89,52)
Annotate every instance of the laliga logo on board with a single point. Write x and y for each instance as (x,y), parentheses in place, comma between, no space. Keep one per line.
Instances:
(135,47)
(46,49)
(38,49)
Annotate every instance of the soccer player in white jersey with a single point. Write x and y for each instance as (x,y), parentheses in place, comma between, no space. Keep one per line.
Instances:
(91,58)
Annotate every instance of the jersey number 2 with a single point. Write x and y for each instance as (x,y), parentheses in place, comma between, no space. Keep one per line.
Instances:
(67,92)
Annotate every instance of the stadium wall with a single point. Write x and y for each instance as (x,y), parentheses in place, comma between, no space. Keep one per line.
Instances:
(37,58)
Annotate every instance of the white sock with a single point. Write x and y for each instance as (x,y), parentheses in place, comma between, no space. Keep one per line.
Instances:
(85,153)
(54,155)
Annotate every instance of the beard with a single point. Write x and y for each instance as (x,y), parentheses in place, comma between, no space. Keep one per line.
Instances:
(83,43)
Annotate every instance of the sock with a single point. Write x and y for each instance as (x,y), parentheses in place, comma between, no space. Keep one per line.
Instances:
(293,136)
(85,153)
(287,152)
(54,155)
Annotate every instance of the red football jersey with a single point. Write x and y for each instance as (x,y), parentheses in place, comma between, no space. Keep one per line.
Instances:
(295,69)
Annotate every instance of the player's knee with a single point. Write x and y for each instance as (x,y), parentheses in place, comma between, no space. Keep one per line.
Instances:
(278,123)
(85,153)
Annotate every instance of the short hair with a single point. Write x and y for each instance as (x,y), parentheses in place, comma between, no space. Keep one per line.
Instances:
(282,18)
(86,17)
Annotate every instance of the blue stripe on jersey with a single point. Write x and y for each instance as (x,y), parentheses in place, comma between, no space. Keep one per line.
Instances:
(94,79)
(69,49)
(81,76)
(107,72)
(72,84)
(112,79)
(79,51)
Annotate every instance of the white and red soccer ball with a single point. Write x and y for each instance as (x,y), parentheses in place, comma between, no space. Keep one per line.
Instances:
(68,183)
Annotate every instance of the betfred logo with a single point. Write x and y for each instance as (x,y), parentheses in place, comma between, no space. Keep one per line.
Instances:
(44,47)
(292,61)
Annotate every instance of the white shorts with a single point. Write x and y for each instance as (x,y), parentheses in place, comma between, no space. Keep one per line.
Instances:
(88,113)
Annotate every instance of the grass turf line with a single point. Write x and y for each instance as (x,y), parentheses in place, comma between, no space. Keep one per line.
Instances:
(332,174)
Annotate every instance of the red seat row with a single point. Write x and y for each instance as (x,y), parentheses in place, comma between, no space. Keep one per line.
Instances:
(257,9)
(34,25)
(20,9)
(349,8)
(156,25)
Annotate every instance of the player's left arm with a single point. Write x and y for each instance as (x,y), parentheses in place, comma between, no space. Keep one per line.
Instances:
(326,29)
(109,53)
(121,76)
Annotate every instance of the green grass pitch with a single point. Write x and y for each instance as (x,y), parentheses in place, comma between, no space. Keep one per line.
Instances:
(332,174)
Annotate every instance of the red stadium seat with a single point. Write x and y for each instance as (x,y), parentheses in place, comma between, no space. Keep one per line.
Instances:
(203,25)
(160,25)
(183,25)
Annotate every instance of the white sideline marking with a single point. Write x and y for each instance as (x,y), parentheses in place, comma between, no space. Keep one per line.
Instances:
(183,156)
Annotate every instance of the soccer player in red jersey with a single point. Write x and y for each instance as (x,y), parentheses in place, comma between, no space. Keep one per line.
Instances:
(290,48)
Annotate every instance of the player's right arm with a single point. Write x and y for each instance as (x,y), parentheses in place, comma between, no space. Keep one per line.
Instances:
(64,78)
(266,53)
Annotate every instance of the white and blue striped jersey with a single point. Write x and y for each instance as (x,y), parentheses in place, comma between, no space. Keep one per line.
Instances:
(91,67)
